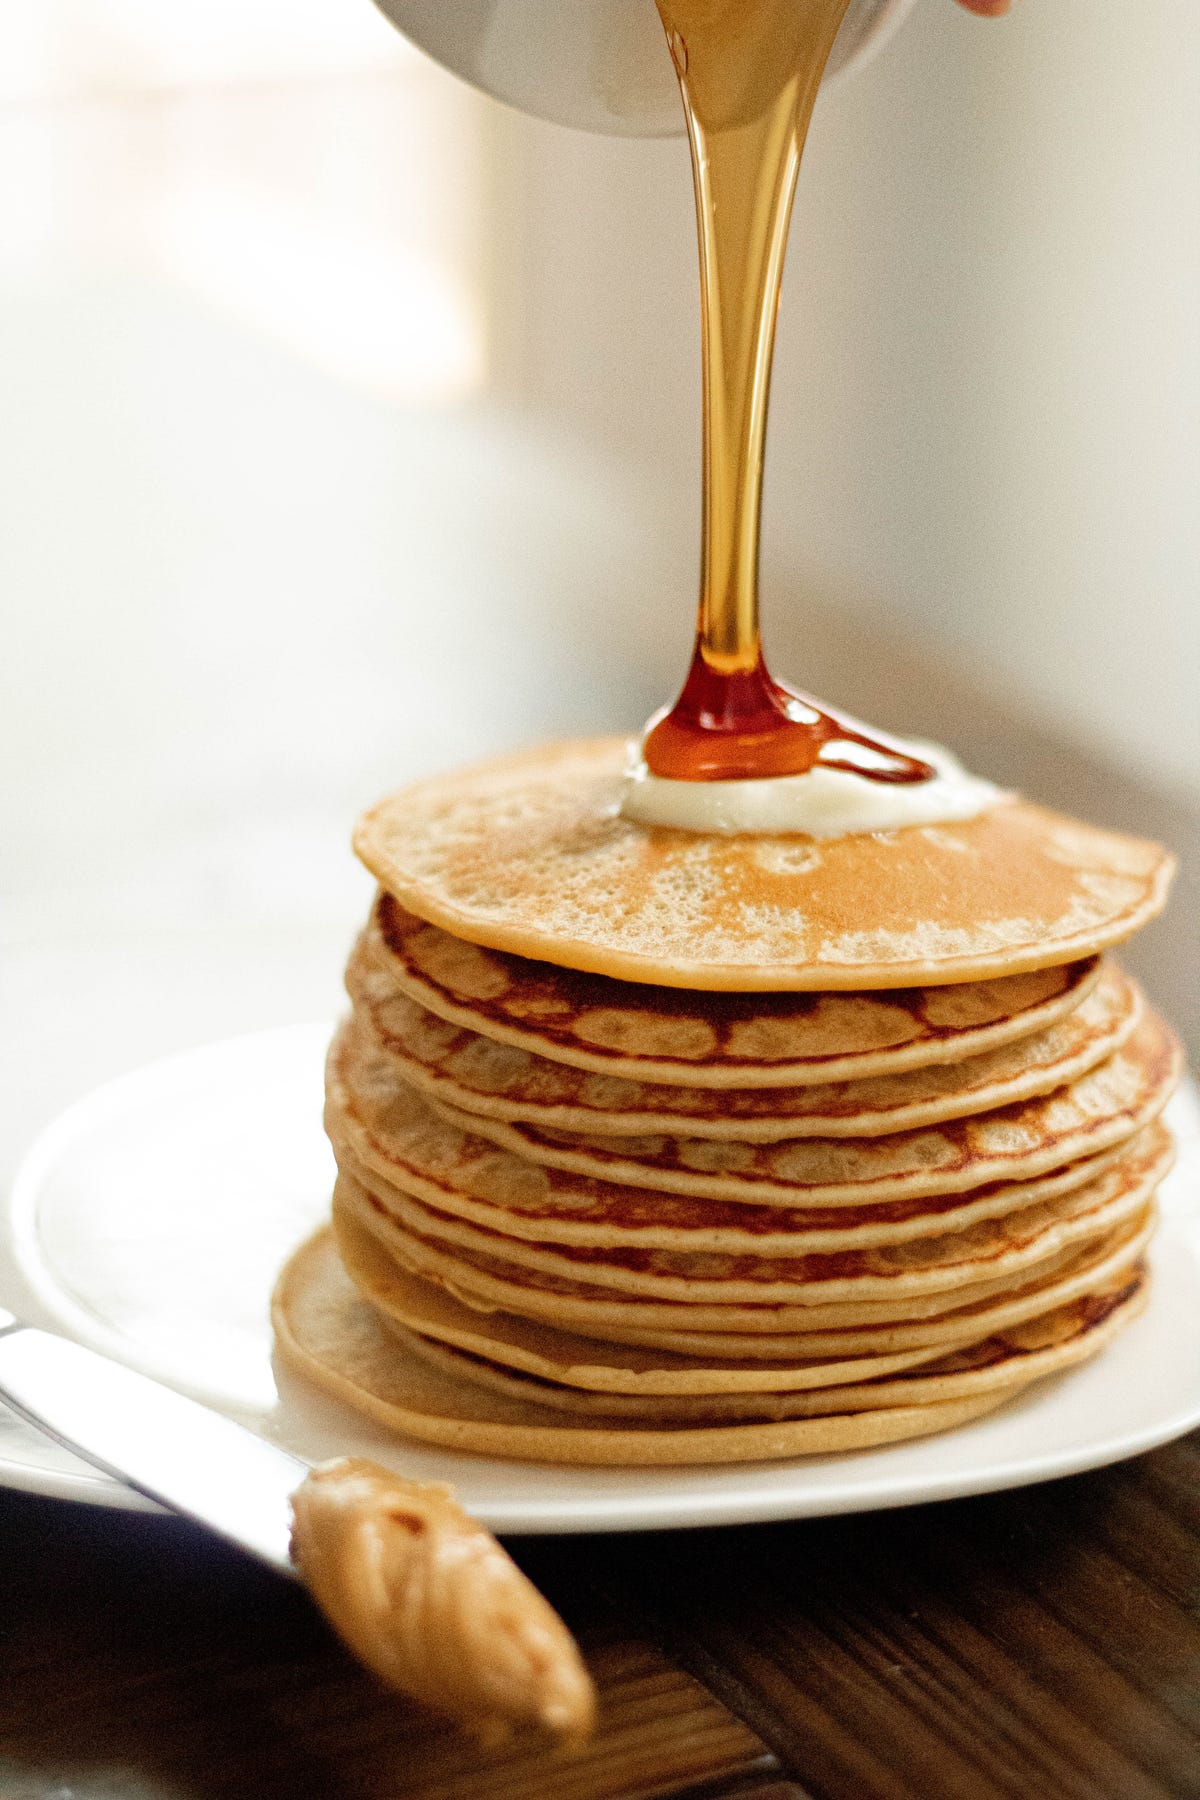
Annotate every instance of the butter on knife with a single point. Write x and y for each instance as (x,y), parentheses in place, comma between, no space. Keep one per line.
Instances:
(431,1602)
(421,1592)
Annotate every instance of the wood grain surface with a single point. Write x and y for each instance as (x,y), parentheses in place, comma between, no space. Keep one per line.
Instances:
(1041,1643)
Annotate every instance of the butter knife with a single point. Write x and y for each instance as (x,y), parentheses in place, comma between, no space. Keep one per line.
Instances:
(170,1448)
(210,1469)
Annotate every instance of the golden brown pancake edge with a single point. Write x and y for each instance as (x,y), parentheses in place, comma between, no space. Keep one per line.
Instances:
(528,854)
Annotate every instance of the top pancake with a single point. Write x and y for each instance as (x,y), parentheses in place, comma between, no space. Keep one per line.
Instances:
(529,855)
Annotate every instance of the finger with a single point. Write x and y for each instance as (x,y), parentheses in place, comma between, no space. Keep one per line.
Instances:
(987,9)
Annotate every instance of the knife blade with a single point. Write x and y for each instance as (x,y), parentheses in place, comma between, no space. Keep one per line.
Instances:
(171,1448)
(203,1465)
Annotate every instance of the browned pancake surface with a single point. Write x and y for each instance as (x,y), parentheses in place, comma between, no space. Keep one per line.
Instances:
(894,1320)
(382,1125)
(569,1358)
(679,1035)
(328,1333)
(1008,1359)
(475,1074)
(384,1132)
(530,855)
(1017,1142)
(770,1333)
(939,1263)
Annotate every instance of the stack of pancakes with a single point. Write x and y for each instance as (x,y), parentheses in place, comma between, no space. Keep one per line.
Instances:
(662,1148)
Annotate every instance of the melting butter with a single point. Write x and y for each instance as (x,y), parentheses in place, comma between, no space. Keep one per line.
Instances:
(821,803)
(428,1599)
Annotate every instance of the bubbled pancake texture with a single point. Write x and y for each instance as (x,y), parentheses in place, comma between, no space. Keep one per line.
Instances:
(531,855)
(586,1218)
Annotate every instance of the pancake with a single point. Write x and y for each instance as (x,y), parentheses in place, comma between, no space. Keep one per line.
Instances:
(497,1274)
(384,1132)
(1016,1142)
(676,1035)
(326,1332)
(778,1334)
(657,1409)
(658,1147)
(530,855)
(1007,1360)
(388,1137)
(451,1159)
(568,1359)
(474,1074)
(481,1278)
(947,1261)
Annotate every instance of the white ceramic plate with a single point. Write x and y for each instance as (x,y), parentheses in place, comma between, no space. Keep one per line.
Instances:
(150,1219)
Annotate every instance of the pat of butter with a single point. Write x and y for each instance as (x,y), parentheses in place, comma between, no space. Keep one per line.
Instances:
(822,803)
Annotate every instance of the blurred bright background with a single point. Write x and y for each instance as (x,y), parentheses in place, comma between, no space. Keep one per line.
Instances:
(349,426)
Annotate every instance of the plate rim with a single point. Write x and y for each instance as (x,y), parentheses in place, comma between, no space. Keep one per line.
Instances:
(601,1512)
(18,1221)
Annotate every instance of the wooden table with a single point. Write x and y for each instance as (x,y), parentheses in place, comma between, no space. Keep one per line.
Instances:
(1041,1643)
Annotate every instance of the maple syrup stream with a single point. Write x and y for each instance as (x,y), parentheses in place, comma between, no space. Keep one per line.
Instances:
(749,72)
